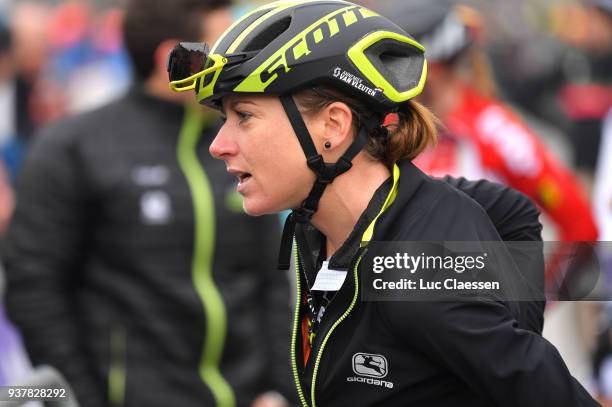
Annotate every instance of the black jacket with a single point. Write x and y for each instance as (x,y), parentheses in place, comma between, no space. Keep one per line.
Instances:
(470,353)
(106,283)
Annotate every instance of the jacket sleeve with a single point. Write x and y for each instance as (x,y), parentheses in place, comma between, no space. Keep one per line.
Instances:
(480,341)
(43,244)
(515,218)
(513,214)
(277,308)
(481,344)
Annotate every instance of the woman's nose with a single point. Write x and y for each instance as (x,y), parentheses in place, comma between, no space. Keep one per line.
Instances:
(223,145)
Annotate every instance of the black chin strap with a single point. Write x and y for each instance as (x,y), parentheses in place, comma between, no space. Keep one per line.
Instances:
(325,172)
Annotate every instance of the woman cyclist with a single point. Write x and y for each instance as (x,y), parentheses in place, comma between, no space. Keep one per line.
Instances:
(304,87)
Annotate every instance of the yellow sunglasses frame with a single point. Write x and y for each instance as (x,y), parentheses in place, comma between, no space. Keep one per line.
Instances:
(186,84)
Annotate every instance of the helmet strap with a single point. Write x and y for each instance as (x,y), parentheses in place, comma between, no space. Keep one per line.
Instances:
(325,172)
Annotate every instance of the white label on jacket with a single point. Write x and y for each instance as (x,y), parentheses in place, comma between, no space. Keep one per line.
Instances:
(328,280)
(155,208)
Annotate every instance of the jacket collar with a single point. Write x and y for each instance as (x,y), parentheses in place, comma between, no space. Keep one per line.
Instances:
(312,242)
(407,186)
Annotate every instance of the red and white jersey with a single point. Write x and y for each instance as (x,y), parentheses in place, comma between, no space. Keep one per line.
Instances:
(485,139)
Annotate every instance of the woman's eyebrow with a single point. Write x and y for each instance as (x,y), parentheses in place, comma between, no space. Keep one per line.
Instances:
(234,103)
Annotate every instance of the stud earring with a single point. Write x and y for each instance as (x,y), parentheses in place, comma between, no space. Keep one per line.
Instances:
(327,145)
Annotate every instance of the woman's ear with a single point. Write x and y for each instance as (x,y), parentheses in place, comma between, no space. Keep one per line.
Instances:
(337,132)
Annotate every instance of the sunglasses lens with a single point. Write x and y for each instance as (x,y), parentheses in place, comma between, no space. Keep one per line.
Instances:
(186,59)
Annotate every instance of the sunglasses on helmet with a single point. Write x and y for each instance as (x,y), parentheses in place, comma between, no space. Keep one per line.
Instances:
(190,61)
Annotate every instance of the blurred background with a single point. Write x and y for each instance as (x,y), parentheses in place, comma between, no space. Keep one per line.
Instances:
(548,61)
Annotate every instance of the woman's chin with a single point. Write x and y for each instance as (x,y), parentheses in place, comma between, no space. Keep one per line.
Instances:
(252,212)
(258,207)
(254,208)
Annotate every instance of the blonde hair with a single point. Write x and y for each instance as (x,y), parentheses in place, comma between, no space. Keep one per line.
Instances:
(414,130)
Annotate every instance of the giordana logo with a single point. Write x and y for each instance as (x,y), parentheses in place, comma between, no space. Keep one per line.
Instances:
(367,364)
(370,368)
(354,81)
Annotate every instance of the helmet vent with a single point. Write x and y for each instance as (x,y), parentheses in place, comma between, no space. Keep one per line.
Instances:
(268,34)
(399,62)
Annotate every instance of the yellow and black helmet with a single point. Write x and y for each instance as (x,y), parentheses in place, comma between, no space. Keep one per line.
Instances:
(286,46)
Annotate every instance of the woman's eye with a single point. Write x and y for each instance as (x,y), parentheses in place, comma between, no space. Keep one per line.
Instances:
(243,116)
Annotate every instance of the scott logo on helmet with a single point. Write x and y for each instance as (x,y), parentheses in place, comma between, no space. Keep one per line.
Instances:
(301,45)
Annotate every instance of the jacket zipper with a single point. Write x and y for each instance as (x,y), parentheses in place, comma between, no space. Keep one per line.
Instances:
(367,236)
(296,324)
(331,330)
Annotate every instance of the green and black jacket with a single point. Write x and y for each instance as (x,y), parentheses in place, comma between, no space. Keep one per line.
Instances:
(132,268)
(472,353)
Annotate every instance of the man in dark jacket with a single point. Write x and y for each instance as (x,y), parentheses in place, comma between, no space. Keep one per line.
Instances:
(131,267)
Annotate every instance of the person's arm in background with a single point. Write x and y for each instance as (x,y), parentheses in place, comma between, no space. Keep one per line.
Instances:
(516,218)
(277,314)
(513,151)
(44,247)
(509,147)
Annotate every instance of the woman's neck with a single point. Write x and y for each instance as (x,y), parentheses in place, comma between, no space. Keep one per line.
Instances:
(345,199)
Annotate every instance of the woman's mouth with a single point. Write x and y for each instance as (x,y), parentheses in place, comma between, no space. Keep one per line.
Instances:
(243,177)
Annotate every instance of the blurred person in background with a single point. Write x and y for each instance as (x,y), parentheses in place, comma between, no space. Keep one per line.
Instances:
(33,99)
(587,93)
(57,48)
(38,100)
(131,267)
(562,72)
(86,47)
(14,364)
(7,122)
(482,137)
